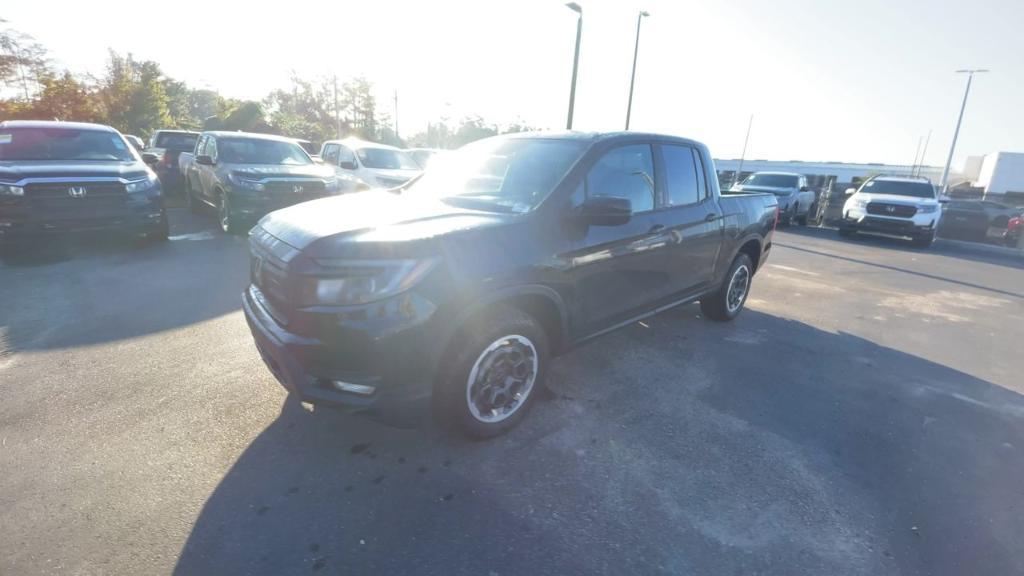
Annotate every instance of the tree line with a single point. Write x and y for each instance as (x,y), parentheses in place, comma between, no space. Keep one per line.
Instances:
(136,97)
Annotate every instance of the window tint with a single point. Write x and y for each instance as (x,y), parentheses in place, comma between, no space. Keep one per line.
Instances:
(201,147)
(331,153)
(211,148)
(626,172)
(680,176)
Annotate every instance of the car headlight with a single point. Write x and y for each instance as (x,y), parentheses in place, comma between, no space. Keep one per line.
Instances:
(11,190)
(860,203)
(145,185)
(927,208)
(246,183)
(331,185)
(361,281)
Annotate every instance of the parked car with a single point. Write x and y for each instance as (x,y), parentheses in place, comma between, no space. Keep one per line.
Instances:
(795,198)
(167,145)
(978,221)
(422,155)
(136,142)
(60,177)
(310,148)
(897,205)
(377,165)
(457,291)
(245,176)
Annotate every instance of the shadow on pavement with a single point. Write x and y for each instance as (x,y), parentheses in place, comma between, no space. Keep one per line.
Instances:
(762,446)
(95,289)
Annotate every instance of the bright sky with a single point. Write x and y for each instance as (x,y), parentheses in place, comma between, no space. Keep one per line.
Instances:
(851,80)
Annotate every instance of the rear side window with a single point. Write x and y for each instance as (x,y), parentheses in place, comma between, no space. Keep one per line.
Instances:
(175,141)
(626,172)
(681,176)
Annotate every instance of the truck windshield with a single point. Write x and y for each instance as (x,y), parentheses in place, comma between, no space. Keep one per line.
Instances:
(28,144)
(256,151)
(503,174)
(384,159)
(771,180)
(175,141)
(900,188)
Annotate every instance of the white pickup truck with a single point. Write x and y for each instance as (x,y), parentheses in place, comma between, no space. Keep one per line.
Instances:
(894,205)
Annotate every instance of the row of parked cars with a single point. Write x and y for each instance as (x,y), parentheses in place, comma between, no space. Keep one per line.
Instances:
(894,205)
(444,291)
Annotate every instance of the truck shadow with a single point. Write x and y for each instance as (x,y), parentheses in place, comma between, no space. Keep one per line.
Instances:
(100,289)
(676,445)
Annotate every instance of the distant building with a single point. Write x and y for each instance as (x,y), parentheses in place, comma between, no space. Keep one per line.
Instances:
(819,174)
(996,173)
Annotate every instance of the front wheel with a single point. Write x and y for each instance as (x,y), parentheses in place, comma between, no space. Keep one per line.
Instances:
(497,367)
(727,302)
(924,241)
(228,220)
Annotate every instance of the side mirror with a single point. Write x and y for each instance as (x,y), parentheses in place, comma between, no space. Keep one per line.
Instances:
(150,158)
(606,210)
(943,199)
(346,165)
(805,189)
(204,160)
(851,191)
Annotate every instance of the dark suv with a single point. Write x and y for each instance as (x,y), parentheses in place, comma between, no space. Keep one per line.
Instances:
(459,286)
(60,177)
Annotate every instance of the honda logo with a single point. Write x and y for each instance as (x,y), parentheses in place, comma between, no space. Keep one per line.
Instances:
(297,189)
(76,191)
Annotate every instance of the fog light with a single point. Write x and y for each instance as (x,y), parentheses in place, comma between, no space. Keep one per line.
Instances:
(361,389)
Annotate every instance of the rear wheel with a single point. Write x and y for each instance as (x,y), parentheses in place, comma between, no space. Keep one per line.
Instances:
(228,220)
(497,366)
(727,302)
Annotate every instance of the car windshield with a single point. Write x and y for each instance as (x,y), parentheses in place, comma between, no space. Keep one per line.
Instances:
(26,144)
(175,141)
(508,175)
(772,180)
(385,159)
(259,151)
(900,188)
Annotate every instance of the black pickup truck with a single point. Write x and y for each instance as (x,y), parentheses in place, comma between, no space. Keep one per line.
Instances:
(60,177)
(456,289)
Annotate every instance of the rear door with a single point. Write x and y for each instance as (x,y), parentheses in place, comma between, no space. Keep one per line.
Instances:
(207,174)
(964,220)
(688,219)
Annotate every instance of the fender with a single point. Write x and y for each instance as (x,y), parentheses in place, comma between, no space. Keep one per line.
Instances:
(510,292)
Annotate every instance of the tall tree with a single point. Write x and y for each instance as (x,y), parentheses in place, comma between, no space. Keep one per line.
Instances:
(65,98)
(23,62)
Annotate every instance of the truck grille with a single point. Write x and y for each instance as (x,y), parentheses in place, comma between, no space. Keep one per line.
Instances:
(77,200)
(887,209)
(268,271)
(305,187)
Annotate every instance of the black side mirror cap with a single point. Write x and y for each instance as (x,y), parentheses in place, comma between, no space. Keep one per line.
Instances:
(606,210)
(347,165)
(150,158)
(805,189)
(204,160)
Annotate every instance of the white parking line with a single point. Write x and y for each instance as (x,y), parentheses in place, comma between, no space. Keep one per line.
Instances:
(207,235)
(788,269)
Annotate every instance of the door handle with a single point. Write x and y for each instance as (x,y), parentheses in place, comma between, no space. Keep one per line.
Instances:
(711,217)
(657,228)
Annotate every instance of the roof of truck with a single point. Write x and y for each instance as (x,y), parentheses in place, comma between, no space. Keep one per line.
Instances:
(55,124)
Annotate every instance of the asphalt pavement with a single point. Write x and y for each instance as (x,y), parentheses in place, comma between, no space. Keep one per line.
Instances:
(864,415)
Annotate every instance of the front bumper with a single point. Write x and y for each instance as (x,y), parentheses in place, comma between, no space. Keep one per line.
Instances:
(920,225)
(139,218)
(251,206)
(398,357)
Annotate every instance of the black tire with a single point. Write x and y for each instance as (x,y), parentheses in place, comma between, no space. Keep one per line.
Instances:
(719,305)
(161,232)
(847,232)
(923,241)
(229,222)
(194,205)
(487,340)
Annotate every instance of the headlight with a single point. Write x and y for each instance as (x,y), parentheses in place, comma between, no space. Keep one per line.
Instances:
(11,190)
(927,208)
(331,184)
(246,183)
(142,185)
(860,203)
(361,281)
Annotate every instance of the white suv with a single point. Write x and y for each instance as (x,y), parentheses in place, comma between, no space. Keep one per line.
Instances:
(893,205)
(376,165)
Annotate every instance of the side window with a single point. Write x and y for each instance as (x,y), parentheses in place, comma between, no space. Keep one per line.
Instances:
(681,176)
(626,172)
(346,155)
(201,146)
(211,148)
(331,154)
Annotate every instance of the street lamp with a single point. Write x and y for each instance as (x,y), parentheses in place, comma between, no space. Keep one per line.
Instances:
(575,60)
(632,77)
(945,172)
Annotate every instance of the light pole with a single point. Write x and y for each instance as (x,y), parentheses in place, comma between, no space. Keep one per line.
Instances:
(949,160)
(632,77)
(575,60)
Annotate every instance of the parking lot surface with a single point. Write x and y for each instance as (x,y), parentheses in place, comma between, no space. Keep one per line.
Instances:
(864,415)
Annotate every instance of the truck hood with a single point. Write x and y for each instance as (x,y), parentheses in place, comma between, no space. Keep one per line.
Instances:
(281,170)
(896,199)
(321,227)
(16,170)
(770,189)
